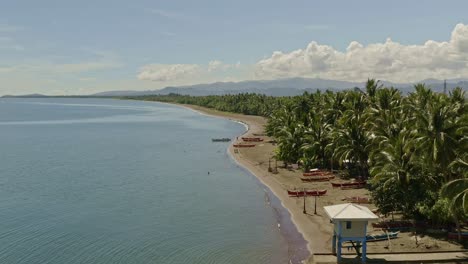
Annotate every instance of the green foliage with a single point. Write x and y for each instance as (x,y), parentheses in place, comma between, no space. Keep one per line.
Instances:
(246,103)
(439,213)
(409,146)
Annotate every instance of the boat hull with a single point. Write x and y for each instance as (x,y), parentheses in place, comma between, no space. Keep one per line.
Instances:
(220,139)
(348,184)
(297,193)
(247,139)
(317,179)
(244,145)
(380,237)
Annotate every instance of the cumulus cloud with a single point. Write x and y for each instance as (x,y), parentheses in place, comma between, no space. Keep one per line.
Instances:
(389,60)
(177,72)
(167,72)
(217,65)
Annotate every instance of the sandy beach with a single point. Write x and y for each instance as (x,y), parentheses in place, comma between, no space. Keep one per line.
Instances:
(315,228)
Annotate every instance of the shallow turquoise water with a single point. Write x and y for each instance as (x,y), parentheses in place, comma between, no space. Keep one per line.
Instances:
(107,181)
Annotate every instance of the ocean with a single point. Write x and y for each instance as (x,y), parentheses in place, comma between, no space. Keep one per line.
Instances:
(113,181)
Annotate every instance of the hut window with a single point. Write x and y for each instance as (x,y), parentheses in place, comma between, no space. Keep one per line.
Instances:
(348,224)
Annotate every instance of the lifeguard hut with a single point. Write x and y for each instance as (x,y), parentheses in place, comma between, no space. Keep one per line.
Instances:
(350,224)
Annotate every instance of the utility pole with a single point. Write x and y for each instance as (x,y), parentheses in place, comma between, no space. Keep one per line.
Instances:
(445,86)
(304,210)
(315,207)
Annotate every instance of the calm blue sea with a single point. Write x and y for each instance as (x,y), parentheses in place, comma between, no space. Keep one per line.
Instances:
(109,181)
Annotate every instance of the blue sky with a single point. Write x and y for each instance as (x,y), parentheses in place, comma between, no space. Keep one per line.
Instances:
(81,47)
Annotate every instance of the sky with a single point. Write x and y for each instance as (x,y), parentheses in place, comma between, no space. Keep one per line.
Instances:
(83,47)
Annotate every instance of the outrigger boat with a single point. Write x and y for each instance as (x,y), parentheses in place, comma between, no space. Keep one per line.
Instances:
(220,139)
(384,236)
(349,185)
(316,173)
(244,145)
(299,193)
(318,178)
(252,139)
(360,186)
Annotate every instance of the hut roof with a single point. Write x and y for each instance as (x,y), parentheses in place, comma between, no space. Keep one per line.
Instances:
(350,212)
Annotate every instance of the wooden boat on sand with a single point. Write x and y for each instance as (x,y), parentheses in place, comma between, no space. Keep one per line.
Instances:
(300,193)
(317,173)
(350,185)
(244,145)
(252,139)
(383,236)
(318,178)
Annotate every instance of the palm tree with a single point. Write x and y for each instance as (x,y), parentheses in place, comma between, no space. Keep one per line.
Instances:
(290,139)
(437,137)
(457,192)
(351,139)
(316,139)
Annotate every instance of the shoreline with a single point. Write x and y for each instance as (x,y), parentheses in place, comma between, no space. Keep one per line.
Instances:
(315,227)
(310,233)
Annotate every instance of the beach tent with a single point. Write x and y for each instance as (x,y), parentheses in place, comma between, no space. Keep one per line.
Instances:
(350,224)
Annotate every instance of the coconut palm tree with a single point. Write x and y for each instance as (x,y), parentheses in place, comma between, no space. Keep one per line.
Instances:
(316,139)
(350,139)
(457,193)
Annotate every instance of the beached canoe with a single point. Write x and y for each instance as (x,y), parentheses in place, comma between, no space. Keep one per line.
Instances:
(351,187)
(300,193)
(252,139)
(318,178)
(316,173)
(244,145)
(348,184)
(383,236)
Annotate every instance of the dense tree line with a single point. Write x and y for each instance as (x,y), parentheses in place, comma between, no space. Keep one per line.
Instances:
(407,146)
(244,103)
(412,149)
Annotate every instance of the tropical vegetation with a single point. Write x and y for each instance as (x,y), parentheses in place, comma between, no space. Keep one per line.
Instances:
(412,148)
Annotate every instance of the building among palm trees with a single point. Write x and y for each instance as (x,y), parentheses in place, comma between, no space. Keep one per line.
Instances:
(350,224)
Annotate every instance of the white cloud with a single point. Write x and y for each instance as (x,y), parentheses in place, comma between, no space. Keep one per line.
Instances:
(168,72)
(216,65)
(388,61)
(184,73)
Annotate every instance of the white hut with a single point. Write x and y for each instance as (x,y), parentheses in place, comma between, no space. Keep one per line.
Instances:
(350,222)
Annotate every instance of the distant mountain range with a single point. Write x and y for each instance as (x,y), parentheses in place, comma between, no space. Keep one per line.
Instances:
(280,87)
(283,87)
